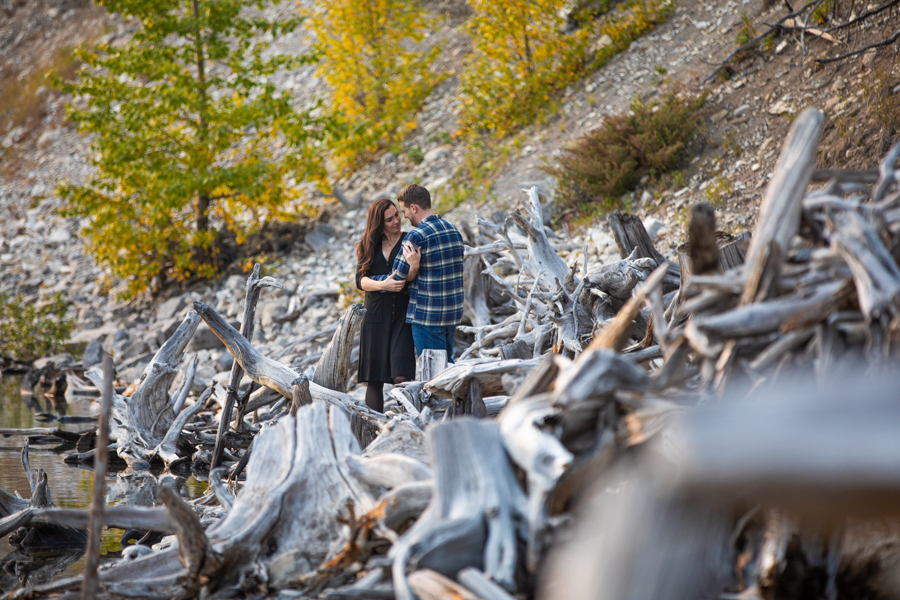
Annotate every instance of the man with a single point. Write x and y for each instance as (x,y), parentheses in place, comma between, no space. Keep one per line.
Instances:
(436,293)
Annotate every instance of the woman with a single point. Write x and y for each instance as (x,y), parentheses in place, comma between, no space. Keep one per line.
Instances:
(386,350)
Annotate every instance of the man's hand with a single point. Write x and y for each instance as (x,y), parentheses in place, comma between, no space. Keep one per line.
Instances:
(392,285)
(412,254)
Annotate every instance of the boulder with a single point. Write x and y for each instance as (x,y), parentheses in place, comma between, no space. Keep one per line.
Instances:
(165,329)
(96,333)
(272,308)
(437,153)
(59,361)
(117,343)
(205,339)
(172,308)
(130,374)
(654,227)
(225,362)
(135,349)
(59,236)
(319,237)
(235,283)
(93,353)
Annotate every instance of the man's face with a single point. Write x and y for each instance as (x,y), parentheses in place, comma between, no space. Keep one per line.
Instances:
(411,212)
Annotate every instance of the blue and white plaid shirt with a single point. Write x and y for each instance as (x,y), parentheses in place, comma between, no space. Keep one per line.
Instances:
(436,294)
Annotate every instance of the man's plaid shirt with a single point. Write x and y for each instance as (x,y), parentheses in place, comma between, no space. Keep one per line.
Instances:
(436,294)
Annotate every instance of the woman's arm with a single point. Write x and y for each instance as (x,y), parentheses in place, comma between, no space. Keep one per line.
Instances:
(367,284)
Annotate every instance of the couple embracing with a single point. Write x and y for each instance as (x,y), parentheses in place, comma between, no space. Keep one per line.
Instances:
(414,289)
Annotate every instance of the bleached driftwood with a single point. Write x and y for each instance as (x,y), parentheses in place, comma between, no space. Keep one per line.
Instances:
(779,213)
(18,513)
(475,305)
(543,262)
(619,278)
(453,382)
(471,520)
(167,447)
(149,412)
(333,369)
(272,374)
(430,364)
(284,520)
(254,288)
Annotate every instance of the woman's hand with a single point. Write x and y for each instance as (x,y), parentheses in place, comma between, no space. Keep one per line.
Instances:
(392,285)
(412,255)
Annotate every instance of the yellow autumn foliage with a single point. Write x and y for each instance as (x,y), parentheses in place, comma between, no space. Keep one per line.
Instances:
(378,82)
(521,56)
(524,55)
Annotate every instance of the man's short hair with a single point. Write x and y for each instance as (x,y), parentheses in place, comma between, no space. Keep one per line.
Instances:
(415,194)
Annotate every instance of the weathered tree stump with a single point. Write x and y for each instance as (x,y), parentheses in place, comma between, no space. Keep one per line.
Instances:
(471,520)
(333,369)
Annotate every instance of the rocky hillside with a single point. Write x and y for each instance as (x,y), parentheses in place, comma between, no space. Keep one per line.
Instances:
(728,165)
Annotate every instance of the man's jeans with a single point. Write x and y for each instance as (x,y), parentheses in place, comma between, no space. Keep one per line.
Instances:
(434,338)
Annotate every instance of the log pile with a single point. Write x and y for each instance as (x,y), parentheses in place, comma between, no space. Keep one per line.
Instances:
(470,479)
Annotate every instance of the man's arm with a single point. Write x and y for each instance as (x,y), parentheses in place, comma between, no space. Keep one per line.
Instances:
(401,270)
(401,267)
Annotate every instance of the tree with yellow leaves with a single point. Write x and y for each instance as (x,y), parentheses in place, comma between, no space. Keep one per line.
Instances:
(521,56)
(377,82)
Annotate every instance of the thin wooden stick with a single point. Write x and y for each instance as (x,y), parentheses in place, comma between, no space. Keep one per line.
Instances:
(90,583)
(881,44)
(254,285)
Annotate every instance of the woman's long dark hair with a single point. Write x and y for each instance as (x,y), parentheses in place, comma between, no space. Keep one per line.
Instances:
(365,249)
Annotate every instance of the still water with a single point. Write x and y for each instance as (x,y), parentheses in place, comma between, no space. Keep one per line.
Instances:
(70,487)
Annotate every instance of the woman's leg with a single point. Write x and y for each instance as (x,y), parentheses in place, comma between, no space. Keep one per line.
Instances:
(399,380)
(375,395)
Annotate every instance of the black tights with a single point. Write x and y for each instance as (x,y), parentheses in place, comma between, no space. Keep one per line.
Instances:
(375,393)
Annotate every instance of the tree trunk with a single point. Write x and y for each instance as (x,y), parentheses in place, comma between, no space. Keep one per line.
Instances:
(202,215)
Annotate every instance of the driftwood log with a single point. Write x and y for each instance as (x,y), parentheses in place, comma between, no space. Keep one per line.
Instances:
(476,503)
(272,374)
(254,288)
(333,369)
(149,412)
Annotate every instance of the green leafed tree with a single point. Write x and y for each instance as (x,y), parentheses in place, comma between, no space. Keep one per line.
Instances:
(189,136)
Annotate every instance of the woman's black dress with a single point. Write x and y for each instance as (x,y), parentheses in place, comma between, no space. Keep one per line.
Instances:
(386,348)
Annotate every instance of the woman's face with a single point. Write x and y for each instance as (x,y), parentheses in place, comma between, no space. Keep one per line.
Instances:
(392,220)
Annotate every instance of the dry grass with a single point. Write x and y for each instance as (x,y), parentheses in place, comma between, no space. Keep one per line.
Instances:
(20,105)
(857,136)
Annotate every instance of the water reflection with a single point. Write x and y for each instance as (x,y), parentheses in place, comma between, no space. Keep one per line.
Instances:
(70,487)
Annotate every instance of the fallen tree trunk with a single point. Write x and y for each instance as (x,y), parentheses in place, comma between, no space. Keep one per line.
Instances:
(453,382)
(779,213)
